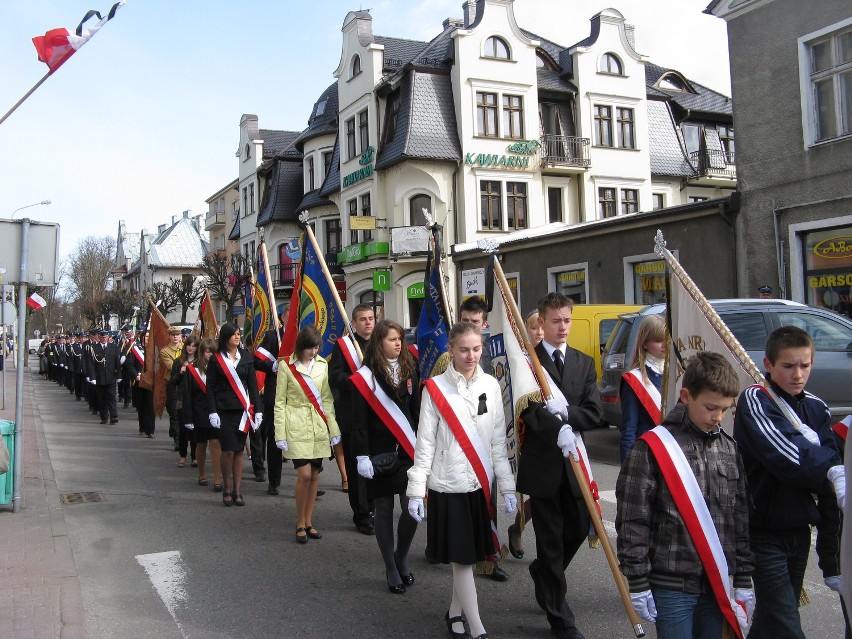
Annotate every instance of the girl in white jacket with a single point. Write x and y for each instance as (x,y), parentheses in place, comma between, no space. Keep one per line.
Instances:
(460,449)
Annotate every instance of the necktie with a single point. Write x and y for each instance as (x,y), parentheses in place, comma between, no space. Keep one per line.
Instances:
(557,359)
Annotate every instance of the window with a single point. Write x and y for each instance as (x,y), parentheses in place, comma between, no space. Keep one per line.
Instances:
(658,200)
(671,82)
(486,114)
(626,139)
(692,199)
(828,334)
(333,235)
(691,137)
(390,118)
(248,150)
(326,163)
(629,201)
(544,61)
(830,79)
(516,204)
(554,204)
(366,210)
(490,196)
(356,65)
(609,63)
(251,197)
(245,201)
(606,202)
(748,328)
(416,204)
(350,139)
(513,116)
(320,108)
(603,125)
(726,137)
(363,131)
(352,205)
(309,173)
(496,48)
(235,209)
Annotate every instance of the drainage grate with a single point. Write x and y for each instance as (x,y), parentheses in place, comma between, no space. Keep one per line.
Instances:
(81,498)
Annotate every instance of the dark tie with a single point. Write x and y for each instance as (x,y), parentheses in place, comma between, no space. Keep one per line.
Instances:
(557,359)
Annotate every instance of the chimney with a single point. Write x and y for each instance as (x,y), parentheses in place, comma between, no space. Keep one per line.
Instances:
(453,22)
(469,10)
(630,32)
(162,227)
(186,214)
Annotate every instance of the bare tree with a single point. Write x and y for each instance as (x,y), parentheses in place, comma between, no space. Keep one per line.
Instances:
(225,277)
(119,302)
(88,271)
(188,290)
(164,296)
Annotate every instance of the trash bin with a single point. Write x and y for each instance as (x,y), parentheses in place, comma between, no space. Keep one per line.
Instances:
(7,431)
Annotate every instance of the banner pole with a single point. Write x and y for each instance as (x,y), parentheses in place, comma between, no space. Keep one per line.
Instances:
(26,95)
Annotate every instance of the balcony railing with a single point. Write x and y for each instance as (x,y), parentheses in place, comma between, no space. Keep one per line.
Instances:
(214,219)
(564,150)
(283,274)
(713,163)
(331,261)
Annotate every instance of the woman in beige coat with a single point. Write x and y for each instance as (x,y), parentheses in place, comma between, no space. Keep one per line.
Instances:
(305,426)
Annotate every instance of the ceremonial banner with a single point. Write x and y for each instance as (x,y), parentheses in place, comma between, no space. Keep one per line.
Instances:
(57,45)
(206,326)
(263,311)
(152,377)
(248,297)
(432,325)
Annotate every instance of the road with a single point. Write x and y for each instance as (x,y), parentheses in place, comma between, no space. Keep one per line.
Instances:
(159,556)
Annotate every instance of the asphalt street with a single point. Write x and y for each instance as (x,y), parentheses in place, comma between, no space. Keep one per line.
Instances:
(159,556)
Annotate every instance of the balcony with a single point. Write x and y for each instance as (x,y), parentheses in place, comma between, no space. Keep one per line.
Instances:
(331,261)
(713,165)
(564,151)
(214,220)
(283,275)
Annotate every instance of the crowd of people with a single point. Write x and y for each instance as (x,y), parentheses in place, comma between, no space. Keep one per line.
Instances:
(712,529)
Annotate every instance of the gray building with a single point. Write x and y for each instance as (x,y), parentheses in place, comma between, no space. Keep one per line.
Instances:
(791,69)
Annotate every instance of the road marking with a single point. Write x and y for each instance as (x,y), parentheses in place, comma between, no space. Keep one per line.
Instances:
(166,572)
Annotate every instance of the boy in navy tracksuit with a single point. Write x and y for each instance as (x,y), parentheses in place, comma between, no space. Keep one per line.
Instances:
(786,465)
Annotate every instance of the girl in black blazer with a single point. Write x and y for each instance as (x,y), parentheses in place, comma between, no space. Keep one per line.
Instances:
(197,419)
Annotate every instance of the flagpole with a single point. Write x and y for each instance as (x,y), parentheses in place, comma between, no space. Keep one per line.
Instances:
(541,378)
(26,95)
(273,308)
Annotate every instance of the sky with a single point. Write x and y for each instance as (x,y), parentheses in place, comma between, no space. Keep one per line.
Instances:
(142,123)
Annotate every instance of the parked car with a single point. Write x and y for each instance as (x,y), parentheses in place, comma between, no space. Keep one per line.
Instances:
(751,321)
(591,325)
(34,344)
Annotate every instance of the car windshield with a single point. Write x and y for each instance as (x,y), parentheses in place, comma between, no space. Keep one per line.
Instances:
(828,335)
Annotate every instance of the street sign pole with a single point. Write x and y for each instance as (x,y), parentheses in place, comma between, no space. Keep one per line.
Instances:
(19,373)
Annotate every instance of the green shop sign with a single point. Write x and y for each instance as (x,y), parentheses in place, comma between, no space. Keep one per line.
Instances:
(416,291)
(361,251)
(381,281)
(517,158)
(366,162)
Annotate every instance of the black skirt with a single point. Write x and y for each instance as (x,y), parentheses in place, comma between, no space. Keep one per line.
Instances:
(393,484)
(230,437)
(458,528)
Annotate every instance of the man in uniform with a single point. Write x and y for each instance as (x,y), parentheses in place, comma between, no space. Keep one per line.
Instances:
(125,343)
(339,371)
(79,366)
(88,361)
(559,515)
(104,372)
(168,356)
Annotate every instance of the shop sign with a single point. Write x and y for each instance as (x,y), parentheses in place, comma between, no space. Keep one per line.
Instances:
(834,247)
(473,282)
(494,161)
(644,268)
(366,161)
(381,280)
(571,277)
(416,291)
(362,223)
(352,253)
(835,279)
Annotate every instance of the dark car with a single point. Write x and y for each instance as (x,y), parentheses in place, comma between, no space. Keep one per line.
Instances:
(751,321)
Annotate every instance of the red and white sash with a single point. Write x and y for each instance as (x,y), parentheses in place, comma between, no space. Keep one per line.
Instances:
(262,353)
(138,354)
(385,408)
(350,352)
(308,385)
(693,510)
(648,394)
(439,387)
(239,390)
(201,381)
(841,428)
(412,348)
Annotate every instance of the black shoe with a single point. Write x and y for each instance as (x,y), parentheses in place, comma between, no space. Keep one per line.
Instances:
(450,621)
(272,490)
(397,590)
(498,574)
(113,421)
(408,579)
(320,493)
(517,553)
(366,529)
(103,421)
(260,478)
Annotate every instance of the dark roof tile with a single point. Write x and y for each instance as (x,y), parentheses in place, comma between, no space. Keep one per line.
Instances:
(331,184)
(312,200)
(283,193)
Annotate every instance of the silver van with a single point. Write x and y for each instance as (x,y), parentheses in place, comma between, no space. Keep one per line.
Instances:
(751,321)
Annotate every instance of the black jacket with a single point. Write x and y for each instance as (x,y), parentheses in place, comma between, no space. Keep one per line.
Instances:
(195,408)
(338,380)
(271,343)
(220,395)
(103,364)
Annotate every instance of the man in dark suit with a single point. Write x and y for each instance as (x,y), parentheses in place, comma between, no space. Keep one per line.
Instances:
(264,437)
(104,372)
(559,515)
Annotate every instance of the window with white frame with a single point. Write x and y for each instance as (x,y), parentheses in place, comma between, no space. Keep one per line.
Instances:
(309,173)
(491,205)
(516,205)
(351,151)
(826,69)
(486,114)
(499,115)
(629,201)
(363,131)
(497,48)
(554,204)
(503,205)
(326,163)
(613,201)
(513,116)
(609,63)
(416,204)
(606,202)
(658,201)
(251,197)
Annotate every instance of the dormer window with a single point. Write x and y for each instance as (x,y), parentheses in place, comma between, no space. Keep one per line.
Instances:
(543,61)
(356,65)
(673,82)
(496,48)
(320,107)
(609,63)
(248,151)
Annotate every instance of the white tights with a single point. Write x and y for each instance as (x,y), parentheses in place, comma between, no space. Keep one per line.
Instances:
(465,600)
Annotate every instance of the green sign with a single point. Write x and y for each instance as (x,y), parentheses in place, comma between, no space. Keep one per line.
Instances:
(361,251)
(381,280)
(416,291)
(497,161)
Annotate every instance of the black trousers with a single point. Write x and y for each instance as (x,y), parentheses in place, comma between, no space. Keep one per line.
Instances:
(561,525)
(257,446)
(105,394)
(358,502)
(79,383)
(274,456)
(143,399)
(171,409)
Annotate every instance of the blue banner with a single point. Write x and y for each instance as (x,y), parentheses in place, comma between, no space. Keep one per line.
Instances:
(432,331)
(262,318)
(316,301)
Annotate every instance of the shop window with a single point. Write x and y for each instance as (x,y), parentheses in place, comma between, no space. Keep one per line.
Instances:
(649,282)
(828,269)
(571,283)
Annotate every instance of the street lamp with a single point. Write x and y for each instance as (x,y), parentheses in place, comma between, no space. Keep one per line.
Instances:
(43,202)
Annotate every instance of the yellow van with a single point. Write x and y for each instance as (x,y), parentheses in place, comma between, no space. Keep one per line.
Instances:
(591,325)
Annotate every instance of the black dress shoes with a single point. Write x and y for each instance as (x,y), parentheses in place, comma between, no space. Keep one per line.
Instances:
(498,574)
(407,580)
(366,529)
(452,620)
(272,490)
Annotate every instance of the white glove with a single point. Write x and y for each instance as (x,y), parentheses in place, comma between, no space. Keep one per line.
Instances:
(335,440)
(258,420)
(809,434)
(511,502)
(567,441)
(835,583)
(744,598)
(118,381)
(123,358)
(275,366)
(365,468)
(837,476)
(91,381)
(558,407)
(415,508)
(215,422)
(282,444)
(644,606)
(189,426)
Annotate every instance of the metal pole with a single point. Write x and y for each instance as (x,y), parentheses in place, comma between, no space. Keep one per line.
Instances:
(5,336)
(19,376)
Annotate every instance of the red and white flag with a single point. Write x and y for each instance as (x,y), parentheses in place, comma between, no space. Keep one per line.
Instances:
(36,302)
(57,45)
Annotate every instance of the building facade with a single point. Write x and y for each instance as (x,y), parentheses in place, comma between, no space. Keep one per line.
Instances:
(223,212)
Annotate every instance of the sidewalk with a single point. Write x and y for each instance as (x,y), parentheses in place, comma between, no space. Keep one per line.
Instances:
(39,588)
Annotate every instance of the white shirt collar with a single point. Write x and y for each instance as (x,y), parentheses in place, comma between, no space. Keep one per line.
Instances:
(550,349)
